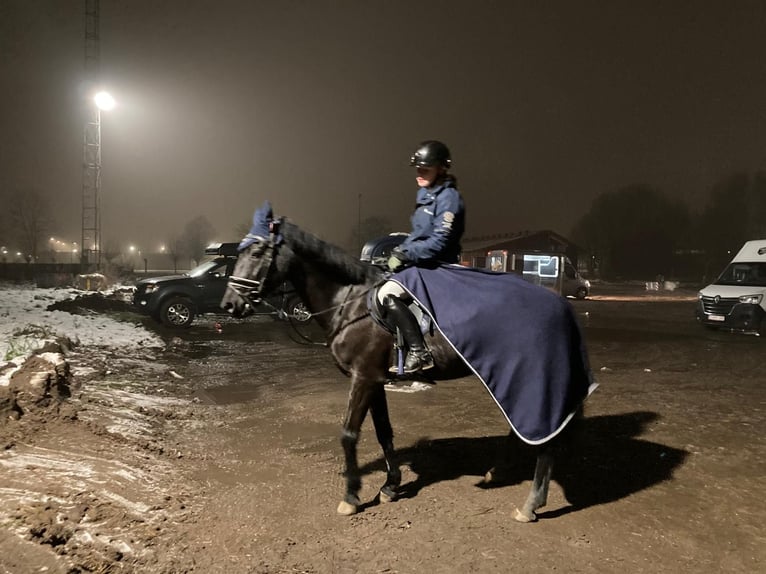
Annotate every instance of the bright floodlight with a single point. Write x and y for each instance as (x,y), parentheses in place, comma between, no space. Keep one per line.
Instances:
(104,101)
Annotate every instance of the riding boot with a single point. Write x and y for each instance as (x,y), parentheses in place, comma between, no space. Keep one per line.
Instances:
(418,356)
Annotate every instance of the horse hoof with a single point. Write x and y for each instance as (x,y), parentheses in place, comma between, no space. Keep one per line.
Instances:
(489,478)
(519,516)
(346,509)
(386,495)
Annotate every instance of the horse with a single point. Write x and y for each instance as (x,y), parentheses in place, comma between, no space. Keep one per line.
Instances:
(334,286)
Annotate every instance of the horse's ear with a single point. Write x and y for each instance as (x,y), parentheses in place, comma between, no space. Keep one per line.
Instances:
(264,213)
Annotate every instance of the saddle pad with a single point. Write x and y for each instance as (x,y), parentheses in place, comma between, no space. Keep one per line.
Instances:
(522,341)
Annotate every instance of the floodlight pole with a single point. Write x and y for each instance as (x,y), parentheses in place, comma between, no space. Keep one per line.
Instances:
(90,244)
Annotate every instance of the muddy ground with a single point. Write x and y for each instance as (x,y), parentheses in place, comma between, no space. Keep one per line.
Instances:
(221,454)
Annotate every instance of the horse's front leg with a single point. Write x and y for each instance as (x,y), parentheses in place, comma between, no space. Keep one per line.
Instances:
(385,434)
(358,403)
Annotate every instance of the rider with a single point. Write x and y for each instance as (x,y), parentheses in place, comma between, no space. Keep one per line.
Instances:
(437,226)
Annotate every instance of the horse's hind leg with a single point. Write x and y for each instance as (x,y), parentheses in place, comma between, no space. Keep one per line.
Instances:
(498,473)
(538,496)
(385,434)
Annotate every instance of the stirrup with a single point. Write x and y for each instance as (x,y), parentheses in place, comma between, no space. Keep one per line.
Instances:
(416,361)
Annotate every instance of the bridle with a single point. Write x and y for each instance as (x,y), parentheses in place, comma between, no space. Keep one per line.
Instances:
(251,289)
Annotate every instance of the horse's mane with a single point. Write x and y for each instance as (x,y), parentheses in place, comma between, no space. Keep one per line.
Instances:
(343,265)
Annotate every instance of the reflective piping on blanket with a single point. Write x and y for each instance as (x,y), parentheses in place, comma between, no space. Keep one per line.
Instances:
(592,387)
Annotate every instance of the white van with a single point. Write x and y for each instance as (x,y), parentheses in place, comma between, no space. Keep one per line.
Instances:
(737,299)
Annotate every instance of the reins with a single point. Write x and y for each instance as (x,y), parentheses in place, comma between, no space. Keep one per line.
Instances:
(339,311)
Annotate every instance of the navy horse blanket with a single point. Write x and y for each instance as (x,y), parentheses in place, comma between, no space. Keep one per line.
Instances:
(522,341)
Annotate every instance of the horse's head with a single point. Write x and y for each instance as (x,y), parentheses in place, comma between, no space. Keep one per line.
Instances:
(258,270)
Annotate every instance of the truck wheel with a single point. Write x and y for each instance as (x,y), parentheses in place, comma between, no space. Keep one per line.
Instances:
(177,312)
(581,293)
(297,310)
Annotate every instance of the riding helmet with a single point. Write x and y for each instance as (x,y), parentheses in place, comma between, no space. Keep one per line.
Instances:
(431,152)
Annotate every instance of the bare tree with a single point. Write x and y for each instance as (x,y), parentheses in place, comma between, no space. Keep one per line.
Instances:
(197,234)
(175,250)
(632,232)
(28,219)
(111,250)
(735,212)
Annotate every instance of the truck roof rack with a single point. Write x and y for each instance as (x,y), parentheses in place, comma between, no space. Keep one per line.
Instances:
(223,249)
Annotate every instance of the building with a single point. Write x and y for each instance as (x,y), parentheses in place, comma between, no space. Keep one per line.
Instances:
(475,249)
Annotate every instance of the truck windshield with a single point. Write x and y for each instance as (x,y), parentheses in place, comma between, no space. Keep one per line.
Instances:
(205,267)
(743,273)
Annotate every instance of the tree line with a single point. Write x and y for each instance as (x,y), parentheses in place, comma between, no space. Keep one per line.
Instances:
(635,232)
(638,231)
(27,223)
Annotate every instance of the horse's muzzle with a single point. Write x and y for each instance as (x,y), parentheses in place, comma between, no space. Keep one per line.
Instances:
(237,304)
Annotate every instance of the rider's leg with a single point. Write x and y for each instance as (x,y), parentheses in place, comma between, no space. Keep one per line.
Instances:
(418,356)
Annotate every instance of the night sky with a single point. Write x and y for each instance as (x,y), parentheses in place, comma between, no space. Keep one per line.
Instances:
(223,104)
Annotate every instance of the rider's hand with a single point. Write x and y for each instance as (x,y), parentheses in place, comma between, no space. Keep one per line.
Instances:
(394,263)
(397,261)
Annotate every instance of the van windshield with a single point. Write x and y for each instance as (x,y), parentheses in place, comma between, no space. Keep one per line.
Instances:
(743,273)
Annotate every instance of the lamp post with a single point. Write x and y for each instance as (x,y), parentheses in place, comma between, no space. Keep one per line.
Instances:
(91,184)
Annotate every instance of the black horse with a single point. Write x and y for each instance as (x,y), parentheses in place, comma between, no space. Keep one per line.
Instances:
(334,287)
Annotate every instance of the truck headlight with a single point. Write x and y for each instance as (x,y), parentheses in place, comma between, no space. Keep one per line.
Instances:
(751,299)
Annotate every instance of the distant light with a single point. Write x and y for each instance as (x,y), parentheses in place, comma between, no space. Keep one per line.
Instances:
(104,101)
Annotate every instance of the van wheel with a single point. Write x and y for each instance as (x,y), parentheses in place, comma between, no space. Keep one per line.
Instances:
(177,312)
(581,293)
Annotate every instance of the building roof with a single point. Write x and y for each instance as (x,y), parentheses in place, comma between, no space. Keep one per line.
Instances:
(546,238)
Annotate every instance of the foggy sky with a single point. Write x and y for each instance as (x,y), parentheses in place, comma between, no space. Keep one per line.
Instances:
(223,104)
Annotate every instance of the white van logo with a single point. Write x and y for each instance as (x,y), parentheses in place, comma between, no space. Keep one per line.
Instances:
(717,299)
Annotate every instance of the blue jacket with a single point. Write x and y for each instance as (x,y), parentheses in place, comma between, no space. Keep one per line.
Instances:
(437,225)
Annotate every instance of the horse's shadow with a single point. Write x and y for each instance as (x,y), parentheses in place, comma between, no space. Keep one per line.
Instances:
(604,462)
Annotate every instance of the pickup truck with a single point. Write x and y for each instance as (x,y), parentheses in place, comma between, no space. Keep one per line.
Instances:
(175,300)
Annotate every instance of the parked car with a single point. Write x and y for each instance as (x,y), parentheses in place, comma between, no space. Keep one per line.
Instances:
(175,300)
